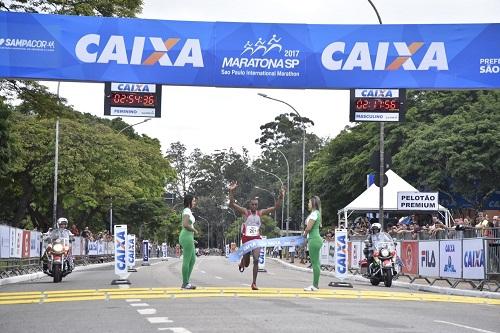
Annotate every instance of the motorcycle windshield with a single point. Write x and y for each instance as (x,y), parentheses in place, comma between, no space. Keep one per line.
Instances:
(61,234)
(383,240)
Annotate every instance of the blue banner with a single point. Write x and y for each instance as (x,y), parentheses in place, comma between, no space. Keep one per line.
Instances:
(222,54)
(258,243)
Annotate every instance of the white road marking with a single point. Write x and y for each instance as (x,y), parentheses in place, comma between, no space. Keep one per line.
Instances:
(123,286)
(319,299)
(203,272)
(133,300)
(139,304)
(174,329)
(159,320)
(271,273)
(218,278)
(146,311)
(246,285)
(463,326)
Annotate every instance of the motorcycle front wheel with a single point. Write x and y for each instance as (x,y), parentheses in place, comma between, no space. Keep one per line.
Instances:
(388,277)
(57,272)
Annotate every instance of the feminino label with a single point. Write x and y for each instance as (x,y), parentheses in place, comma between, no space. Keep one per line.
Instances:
(263,57)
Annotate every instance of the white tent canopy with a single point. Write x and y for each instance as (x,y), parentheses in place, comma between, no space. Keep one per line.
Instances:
(368,201)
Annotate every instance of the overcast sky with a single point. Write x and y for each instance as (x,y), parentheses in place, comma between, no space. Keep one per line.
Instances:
(216,118)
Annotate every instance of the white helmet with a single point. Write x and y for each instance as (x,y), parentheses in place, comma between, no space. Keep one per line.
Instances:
(377,226)
(62,220)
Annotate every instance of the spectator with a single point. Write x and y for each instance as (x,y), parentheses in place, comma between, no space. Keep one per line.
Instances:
(74,230)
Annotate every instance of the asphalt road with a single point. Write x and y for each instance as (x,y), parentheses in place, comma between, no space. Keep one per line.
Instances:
(86,301)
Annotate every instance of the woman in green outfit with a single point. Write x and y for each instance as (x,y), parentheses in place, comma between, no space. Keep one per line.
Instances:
(186,239)
(314,240)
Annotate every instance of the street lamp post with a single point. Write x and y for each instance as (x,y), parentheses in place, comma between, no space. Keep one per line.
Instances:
(283,202)
(123,129)
(287,193)
(111,203)
(274,199)
(381,146)
(303,150)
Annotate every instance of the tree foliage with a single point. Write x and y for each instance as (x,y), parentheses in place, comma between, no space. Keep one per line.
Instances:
(449,143)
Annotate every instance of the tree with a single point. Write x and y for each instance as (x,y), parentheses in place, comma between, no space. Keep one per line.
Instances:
(448,143)
(118,8)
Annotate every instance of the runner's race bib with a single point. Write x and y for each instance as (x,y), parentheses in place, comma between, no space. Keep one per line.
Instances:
(251,231)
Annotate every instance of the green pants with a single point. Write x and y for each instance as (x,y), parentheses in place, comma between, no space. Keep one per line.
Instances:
(186,240)
(315,245)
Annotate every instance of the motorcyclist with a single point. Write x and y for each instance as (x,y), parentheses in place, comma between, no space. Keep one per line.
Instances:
(61,229)
(371,240)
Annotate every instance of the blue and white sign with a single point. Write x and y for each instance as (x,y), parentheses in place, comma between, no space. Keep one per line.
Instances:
(145,252)
(120,232)
(473,258)
(130,251)
(267,55)
(450,258)
(262,257)
(341,254)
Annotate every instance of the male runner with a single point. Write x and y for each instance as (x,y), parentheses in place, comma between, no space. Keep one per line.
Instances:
(250,229)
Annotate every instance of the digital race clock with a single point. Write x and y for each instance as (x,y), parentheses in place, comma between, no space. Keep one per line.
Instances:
(132,99)
(377,105)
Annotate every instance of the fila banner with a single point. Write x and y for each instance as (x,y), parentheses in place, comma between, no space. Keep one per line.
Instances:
(267,55)
(428,264)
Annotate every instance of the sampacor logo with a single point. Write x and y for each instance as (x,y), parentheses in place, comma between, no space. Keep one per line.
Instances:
(253,55)
(114,49)
(334,56)
(24,43)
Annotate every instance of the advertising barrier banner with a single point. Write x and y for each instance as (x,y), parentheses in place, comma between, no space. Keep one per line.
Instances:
(13,242)
(341,254)
(92,248)
(450,258)
(409,257)
(266,55)
(428,264)
(355,253)
(35,243)
(473,259)
(76,248)
(323,253)
(18,251)
(26,244)
(4,241)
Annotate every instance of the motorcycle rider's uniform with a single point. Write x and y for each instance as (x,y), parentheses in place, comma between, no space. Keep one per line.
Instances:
(372,239)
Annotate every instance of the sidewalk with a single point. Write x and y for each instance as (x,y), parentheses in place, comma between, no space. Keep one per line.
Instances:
(441,287)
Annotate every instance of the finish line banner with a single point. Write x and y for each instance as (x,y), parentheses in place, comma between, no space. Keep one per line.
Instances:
(266,55)
(271,242)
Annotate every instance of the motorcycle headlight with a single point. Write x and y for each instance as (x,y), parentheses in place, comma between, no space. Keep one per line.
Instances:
(57,247)
(384,252)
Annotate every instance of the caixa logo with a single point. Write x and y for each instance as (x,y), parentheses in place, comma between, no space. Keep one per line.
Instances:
(92,48)
(120,250)
(474,258)
(368,57)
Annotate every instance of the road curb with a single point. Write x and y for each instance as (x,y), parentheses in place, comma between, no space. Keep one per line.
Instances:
(407,285)
(38,275)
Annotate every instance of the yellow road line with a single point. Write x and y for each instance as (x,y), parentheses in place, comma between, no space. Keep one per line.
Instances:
(157,293)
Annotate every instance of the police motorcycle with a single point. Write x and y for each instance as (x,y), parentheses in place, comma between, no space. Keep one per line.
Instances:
(381,267)
(56,259)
